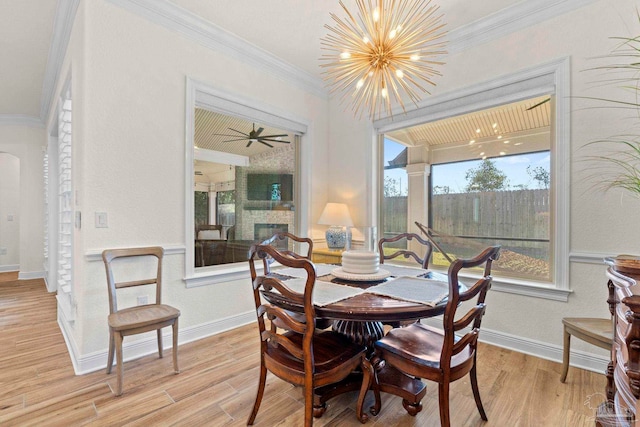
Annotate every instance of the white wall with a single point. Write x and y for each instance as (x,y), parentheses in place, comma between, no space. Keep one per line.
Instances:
(26,143)
(9,212)
(600,223)
(129,104)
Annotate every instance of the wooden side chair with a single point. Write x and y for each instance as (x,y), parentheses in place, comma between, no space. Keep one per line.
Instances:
(595,331)
(422,260)
(300,354)
(440,355)
(137,319)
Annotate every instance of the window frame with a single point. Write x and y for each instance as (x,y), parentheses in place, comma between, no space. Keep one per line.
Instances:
(549,78)
(202,95)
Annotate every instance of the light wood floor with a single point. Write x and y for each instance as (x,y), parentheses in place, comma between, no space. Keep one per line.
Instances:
(219,377)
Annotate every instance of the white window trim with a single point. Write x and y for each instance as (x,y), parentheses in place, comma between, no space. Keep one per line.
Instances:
(199,94)
(550,78)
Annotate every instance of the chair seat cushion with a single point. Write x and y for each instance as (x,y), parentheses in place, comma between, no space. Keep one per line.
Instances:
(330,351)
(420,345)
(141,316)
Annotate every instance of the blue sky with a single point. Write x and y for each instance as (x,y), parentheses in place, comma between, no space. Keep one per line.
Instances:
(452,174)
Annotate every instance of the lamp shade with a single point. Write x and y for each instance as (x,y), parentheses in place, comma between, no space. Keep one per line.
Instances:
(336,214)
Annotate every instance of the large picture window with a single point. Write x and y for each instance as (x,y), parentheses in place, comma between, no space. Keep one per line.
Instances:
(495,201)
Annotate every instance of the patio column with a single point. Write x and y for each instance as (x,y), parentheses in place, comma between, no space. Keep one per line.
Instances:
(418,198)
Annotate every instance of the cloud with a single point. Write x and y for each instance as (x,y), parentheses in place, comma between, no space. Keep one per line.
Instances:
(545,160)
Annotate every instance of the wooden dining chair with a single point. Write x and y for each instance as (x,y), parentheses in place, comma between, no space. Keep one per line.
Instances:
(141,318)
(596,331)
(282,235)
(440,355)
(300,354)
(406,253)
(273,241)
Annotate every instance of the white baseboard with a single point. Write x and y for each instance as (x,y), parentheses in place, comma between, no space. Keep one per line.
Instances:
(543,350)
(31,275)
(6,268)
(83,364)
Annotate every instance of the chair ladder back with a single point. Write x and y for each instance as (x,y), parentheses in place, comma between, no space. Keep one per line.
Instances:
(109,255)
(264,283)
(451,324)
(282,235)
(406,253)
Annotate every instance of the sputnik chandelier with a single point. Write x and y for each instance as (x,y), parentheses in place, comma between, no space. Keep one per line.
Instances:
(388,53)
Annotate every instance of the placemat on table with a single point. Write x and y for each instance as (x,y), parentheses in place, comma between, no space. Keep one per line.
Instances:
(400,270)
(321,270)
(414,289)
(324,293)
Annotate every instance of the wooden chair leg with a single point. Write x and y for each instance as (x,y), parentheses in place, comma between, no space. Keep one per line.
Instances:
(375,386)
(110,356)
(476,391)
(175,347)
(443,402)
(565,355)
(367,377)
(119,363)
(159,333)
(308,405)
(261,384)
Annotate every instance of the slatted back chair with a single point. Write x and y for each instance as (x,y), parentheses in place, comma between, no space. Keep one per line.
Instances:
(300,354)
(137,319)
(422,260)
(282,235)
(440,355)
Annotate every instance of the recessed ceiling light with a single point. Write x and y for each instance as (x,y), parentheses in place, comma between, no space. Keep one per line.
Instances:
(506,142)
(518,143)
(482,154)
(495,125)
(478,130)
(499,136)
(484,157)
(502,153)
(472,141)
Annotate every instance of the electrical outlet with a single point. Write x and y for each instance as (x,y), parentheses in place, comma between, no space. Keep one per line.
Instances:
(143,300)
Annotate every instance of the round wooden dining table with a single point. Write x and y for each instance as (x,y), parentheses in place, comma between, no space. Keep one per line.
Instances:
(362,318)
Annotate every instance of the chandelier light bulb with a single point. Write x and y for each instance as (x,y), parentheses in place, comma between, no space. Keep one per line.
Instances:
(396,43)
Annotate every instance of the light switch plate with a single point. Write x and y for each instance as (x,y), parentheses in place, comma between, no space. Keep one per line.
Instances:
(101,220)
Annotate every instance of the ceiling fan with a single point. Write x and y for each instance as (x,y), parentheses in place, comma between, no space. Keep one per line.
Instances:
(255,136)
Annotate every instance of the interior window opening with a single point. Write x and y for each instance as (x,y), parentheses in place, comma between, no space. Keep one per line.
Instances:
(245,177)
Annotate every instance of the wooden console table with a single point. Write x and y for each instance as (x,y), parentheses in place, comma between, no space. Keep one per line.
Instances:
(623,371)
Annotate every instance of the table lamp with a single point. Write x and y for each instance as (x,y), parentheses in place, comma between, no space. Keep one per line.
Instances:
(337,216)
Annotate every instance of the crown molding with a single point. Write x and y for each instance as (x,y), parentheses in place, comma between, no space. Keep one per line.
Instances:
(509,20)
(190,25)
(65,15)
(21,120)
(168,15)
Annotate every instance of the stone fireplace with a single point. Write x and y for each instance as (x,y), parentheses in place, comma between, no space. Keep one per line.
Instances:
(264,231)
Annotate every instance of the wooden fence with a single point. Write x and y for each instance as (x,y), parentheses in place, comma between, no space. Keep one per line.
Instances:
(515,219)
